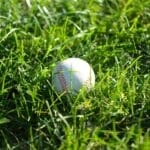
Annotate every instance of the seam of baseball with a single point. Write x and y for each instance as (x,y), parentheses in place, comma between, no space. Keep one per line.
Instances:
(62,80)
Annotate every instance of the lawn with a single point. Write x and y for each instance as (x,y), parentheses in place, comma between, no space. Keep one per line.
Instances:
(113,36)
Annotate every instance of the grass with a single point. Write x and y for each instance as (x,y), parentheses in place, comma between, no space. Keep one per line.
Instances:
(113,36)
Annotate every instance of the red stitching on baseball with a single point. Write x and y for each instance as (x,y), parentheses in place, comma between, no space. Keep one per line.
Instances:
(61,78)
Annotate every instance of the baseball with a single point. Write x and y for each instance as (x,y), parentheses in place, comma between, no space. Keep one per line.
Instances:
(71,75)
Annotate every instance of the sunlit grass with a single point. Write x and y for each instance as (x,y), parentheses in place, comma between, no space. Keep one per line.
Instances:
(113,36)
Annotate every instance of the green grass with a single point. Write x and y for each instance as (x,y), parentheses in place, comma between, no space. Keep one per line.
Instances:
(113,36)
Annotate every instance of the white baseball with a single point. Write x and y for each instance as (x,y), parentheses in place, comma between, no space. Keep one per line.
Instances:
(70,75)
